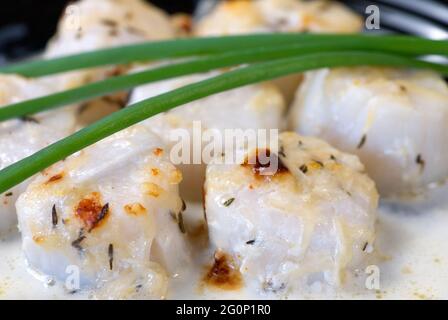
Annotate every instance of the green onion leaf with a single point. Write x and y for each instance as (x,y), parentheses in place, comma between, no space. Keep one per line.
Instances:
(200,46)
(140,111)
(129,81)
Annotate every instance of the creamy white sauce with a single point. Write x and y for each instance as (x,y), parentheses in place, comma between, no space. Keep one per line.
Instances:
(412,261)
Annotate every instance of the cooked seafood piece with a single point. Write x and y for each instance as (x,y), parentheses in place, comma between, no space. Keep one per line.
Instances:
(183,24)
(113,211)
(246,16)
(396,121)
(22,137)
(259,106)
(243,17)
(309,218)
(94,24)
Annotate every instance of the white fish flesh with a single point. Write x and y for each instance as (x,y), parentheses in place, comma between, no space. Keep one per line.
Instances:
(113,211)
(394,120)
(310,220)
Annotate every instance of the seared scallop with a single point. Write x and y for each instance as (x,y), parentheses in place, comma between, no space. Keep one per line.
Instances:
(243,16)
(95,24)
(253,107)
(291,217)
(394,120)
(113,211)
(260,16)
(22,137)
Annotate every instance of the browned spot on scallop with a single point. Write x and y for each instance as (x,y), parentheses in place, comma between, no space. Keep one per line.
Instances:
(129,15)
(55,178)
(155,171)
(312,165)
(175,176)
(120,98)
(158,152)
(91,211)
(183,22)
(265,163)
(38,239)
(109,22)
(223,274)
(152,189)
(135,209)
(235,5)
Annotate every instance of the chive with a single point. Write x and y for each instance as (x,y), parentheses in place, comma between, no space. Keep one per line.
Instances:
(103,213)
(77,243)
(180,222)
(419,160)
(365,246)
(138,112)
(199,46)
(228,202)
(26,118)
(110,253)
(54,216)
(155,50)
(125,82)
(362,141)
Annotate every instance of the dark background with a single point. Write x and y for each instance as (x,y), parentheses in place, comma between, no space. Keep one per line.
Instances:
(26,25)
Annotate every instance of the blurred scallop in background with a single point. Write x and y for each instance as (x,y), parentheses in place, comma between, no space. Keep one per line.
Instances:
(24,33)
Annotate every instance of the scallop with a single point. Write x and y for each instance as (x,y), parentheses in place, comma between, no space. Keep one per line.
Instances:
(261,16)
(22,137)
(112,212)
(292,217)
(95,24)
(253,107)
(394,120)
(242,16)
(89,25)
